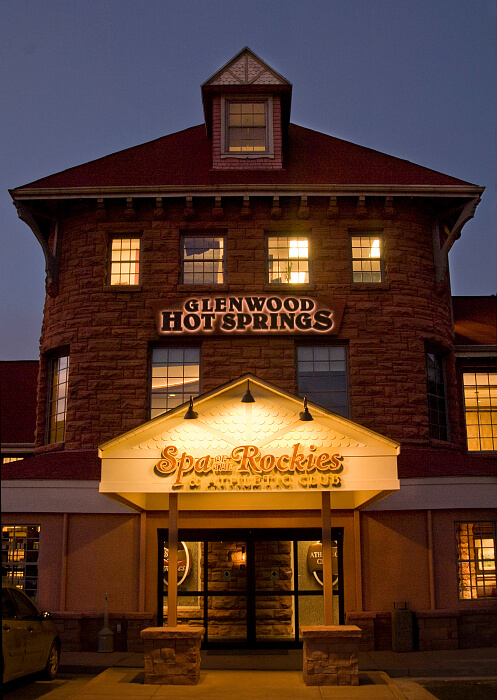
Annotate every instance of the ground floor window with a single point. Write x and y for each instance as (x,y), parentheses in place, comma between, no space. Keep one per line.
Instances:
(249,588)
(20,545)
(476,560)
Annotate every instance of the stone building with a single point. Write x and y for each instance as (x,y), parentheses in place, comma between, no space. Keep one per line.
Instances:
(249,328)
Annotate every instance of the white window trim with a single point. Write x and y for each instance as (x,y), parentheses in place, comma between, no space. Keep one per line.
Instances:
(268,101)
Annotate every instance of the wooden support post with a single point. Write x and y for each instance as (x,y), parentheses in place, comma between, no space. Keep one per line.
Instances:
(327,559)
(172,574)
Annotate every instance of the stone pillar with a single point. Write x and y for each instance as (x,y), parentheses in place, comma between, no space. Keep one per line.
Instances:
(172,655)
(331,654)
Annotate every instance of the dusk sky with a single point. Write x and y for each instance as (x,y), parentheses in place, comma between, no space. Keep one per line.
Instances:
(83,78)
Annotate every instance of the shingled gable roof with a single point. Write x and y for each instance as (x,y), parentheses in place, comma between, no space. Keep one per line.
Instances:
(182,161)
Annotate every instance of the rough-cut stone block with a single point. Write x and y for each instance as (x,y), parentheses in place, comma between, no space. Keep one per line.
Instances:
(172,655)
(331,654)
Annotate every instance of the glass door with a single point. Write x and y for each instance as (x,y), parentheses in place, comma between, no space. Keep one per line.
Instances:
(250,588)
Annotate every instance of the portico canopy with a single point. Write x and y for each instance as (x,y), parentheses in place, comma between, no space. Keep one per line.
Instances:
(237,455)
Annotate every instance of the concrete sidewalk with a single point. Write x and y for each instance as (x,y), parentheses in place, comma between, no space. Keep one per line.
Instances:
(419,664)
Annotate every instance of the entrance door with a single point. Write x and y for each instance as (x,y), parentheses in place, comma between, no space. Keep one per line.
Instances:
(250,588)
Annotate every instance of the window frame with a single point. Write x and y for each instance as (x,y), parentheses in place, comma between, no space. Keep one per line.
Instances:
(51,402)
(469,568)
(492,409)
(311,396)
(10,567)
(267,100)
(123,285)
(153,412)
(437,430)
(371,235)
(209,235)
(269,261)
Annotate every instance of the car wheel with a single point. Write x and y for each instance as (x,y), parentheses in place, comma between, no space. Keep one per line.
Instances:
(52,662)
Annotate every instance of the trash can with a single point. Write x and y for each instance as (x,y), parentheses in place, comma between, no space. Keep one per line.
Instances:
(402,628)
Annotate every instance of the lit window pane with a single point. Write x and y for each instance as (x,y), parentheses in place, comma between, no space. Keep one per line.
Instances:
(246,127)
(480,402)
(125,261)
(288,260)
(367,258)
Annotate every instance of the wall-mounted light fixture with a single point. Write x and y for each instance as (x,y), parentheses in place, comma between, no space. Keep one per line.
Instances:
(239,556)
(305,414)
(190,414)
(247,397)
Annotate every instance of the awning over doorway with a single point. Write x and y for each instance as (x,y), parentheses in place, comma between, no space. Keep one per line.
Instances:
(235,455)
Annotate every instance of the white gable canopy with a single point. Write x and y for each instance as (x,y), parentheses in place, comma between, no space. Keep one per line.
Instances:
(241,456)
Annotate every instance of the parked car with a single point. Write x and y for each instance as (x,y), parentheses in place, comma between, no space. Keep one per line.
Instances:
(30,642)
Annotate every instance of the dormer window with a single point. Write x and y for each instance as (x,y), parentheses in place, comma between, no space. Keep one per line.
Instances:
(247,131)
(246,127)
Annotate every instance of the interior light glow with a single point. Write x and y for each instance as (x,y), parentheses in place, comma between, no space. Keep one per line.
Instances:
(375,249)
(297,277)
(299,249)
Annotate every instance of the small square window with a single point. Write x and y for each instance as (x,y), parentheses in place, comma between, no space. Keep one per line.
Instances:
(367,258)
(288,259)
(203,259)
(125,261)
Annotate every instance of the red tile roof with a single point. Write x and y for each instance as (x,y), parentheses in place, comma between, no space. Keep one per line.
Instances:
(184,159)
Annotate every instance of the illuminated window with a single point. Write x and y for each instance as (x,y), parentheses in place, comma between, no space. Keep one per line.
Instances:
(437,403)
(288,259)
(125,261)
(8,460)
(175,377)
(246,127)
(322,376)
(476,560)
(203,259)
(480,402)
(367,258)
(20,545)
(57,398)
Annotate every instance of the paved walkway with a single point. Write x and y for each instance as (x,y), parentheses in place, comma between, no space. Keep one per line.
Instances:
(384,675)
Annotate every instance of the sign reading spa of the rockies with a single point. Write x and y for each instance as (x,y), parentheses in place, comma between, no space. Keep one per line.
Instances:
(250,314)
(246,468)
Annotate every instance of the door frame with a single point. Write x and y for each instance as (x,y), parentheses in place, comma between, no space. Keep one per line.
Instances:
(250,536)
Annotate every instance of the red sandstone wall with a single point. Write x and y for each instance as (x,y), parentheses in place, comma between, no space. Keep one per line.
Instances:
(109,331)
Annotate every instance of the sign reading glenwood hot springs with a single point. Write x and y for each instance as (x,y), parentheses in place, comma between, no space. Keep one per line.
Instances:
(251,314)
(247,469)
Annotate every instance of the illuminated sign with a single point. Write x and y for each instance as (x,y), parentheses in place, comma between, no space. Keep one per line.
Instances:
(315,561)
(184,564)
(250,314)
(247,469)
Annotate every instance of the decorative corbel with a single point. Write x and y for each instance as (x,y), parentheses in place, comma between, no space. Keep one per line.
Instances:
(441,254)
(361,211)
(159,212)
(189,211)
(246,211)
(101,213)
(129,212)
(51,253)
(276,209)
(303,212)
(333,210)
(389,210)
(218,211)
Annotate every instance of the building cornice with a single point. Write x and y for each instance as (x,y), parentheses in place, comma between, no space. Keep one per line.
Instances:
(247,189)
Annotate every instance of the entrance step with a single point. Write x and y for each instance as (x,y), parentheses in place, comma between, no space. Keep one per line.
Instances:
(252,659)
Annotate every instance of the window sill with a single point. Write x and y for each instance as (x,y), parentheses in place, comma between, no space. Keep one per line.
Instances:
(50,447)
(249,156)
(288,287)
(122,288)
(370,286)
(212,288)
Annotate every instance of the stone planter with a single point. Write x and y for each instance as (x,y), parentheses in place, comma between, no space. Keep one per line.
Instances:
(172,655)
(331,654)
